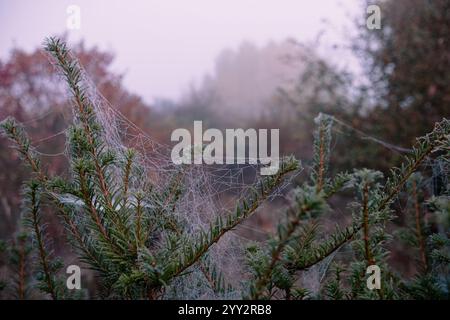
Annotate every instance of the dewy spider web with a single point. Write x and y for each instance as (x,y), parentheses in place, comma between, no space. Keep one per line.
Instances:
(209,190)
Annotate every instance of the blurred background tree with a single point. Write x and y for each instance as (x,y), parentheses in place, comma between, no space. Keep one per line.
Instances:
(31,92)
(406,64)
(403,88)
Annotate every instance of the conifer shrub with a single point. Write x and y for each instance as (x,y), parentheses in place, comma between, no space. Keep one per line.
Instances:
(124,229)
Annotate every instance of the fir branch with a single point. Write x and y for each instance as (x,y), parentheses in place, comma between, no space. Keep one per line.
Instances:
(339,182)
(418,225)
(33,220)
(334,289)
(326,248)
(365,211)
(83,109)
(197,247)
(129,157)
(19,254)
(307,202)
(16,133)
(213,276)
(140,241)
(433,141)
(322,141)
(425,145)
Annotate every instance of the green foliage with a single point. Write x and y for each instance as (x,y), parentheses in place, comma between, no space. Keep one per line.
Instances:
(432,249)
(296,248)
(321,146)
(19,251)
(333,288)
(126,230)
(136,249)
(47,265)
(406,62)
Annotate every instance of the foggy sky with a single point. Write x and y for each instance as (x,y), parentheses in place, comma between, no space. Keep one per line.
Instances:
(164,45)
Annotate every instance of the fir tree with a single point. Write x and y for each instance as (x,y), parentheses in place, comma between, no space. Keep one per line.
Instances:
(136,249)
(125,229)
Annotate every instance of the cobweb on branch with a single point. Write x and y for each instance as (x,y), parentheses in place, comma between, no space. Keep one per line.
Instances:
(208,190)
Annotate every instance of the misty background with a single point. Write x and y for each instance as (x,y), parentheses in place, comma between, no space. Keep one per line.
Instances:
(164,47)
(250,64)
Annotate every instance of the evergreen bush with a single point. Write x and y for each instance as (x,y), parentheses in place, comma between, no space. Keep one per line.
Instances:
(138,250)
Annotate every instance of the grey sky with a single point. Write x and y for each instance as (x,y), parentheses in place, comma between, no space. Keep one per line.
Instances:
(164,45)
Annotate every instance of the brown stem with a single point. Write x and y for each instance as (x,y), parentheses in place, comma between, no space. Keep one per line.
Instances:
(419,226)
(21,287)
(88,201)
(126,180)
(138,222)
(40,242)
(321,169)
(93,152)
(369,258)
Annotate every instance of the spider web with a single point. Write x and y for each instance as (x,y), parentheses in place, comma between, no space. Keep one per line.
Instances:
(209,191)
